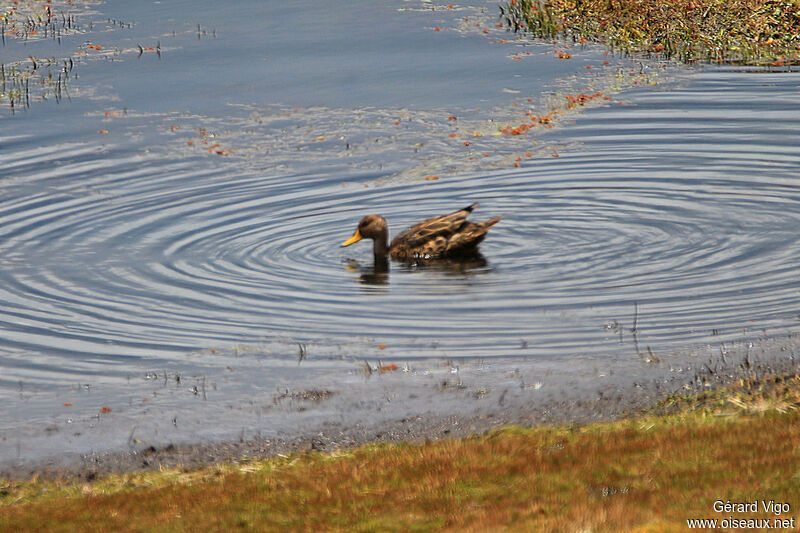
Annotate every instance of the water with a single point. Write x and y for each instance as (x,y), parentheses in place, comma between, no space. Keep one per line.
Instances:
(182,209)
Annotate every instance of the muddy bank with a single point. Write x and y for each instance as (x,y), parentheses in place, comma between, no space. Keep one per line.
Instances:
(395,402)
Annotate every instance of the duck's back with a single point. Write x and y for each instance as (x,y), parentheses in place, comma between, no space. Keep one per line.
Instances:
(440,236)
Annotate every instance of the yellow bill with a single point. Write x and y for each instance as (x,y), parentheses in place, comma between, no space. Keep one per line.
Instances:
(355,238)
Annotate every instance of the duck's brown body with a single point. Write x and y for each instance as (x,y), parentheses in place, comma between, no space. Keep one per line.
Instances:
(437,237)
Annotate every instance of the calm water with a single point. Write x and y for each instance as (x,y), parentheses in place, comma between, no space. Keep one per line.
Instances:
(189,201)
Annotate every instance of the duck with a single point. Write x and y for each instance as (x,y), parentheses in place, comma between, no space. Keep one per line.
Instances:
(445,236)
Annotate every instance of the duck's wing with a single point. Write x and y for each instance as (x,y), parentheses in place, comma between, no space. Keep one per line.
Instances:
(432,228)
(469,237)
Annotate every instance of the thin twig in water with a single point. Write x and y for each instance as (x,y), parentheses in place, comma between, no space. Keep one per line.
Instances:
(502,399)
(635,328)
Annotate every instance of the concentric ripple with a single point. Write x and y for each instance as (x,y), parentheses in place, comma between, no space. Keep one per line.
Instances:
(682,208)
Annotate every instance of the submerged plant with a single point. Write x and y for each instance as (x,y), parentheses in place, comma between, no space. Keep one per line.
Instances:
(34,79)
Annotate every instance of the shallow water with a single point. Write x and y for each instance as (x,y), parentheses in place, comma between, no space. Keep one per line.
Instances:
(182,211)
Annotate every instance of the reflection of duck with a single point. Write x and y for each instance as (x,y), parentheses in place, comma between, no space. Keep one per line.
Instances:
(375,274)
(378,272)
(462,265)
(437,237)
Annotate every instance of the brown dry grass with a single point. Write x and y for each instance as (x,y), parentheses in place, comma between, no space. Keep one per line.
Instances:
(752,31)
(647,474)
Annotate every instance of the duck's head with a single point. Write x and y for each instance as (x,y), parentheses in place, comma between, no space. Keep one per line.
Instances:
(371,227)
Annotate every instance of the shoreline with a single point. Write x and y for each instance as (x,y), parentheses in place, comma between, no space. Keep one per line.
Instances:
(421,405)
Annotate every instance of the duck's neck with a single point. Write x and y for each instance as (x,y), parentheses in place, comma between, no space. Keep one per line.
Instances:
(380,239)
(379,246)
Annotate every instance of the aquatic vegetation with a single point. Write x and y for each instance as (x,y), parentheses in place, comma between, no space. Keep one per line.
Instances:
(25,80)
(28,20)
(749,31)
(34,79)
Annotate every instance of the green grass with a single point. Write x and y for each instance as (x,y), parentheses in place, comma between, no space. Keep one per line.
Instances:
(650,473)
(748,31)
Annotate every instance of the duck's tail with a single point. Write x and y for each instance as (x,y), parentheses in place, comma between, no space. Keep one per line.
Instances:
(491,222)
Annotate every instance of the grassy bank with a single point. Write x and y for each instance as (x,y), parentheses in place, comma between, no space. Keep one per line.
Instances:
(651,473)
(749,31)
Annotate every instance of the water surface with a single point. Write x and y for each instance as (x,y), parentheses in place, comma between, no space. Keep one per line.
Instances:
(182,210)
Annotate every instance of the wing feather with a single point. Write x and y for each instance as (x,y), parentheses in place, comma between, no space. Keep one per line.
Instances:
(431,228)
